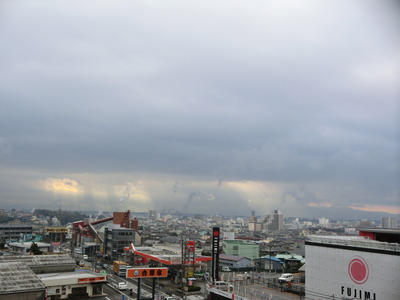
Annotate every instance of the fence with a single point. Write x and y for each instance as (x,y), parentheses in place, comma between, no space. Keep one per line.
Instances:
(246,291)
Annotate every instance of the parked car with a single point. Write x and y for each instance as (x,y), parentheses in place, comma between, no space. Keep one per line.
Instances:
(225,269)
(286,277)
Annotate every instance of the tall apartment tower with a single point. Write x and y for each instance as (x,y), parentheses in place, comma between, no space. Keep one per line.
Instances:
(253,218)
(389,223)
(274,221)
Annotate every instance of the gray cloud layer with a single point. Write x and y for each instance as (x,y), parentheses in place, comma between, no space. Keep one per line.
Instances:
(302,94)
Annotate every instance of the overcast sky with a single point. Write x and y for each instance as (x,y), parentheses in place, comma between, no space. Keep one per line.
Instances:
(215,107)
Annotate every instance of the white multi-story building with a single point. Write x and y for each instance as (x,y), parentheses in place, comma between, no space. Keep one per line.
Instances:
(389,223)
(352,268)
(323,221)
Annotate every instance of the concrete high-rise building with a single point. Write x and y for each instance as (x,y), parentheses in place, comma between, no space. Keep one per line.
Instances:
(253,218)
(153,215)
(389,223)
(274,221)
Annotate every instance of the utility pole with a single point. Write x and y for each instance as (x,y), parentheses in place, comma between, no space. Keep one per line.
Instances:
(183,271)
(270,246)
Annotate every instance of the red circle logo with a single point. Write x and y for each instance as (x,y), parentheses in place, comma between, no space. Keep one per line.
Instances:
(358,270)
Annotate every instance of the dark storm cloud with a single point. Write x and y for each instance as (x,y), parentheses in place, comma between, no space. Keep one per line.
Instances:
(267,91)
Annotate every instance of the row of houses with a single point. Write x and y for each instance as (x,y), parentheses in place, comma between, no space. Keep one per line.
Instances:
(242,255)
(281,263)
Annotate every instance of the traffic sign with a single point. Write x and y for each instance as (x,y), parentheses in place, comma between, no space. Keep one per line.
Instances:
(146,272)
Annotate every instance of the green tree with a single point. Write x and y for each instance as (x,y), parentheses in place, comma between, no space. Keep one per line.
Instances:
(35,249)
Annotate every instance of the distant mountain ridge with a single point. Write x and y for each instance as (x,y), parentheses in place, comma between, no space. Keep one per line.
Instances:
(346,213)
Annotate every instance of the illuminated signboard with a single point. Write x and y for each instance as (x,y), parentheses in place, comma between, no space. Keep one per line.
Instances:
(215,253)
(146,272)
(92,279)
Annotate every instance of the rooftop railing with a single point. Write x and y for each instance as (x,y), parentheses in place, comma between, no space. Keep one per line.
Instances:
(354,241)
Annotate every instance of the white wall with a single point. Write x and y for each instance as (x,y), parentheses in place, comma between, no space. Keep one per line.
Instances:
(327,274)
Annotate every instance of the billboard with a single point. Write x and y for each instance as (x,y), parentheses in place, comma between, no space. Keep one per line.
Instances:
(146,272)
(92,279)
(346,272)
(215,253)
(56,229)
(190,246)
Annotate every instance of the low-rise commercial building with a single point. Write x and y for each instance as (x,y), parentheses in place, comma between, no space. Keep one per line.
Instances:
(240,248)
(73,284)
(32,276)
(18,281)
(234,262)
(14,232)
(23,248)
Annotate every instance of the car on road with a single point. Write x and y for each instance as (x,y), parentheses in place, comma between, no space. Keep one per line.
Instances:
(122,286)
(225,269)
(286,277)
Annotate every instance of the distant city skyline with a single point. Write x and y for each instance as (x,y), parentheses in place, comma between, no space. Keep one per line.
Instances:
(377,218)
(210,107)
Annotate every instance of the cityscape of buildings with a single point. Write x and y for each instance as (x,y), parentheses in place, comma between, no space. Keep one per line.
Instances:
(199,150)
(256,245)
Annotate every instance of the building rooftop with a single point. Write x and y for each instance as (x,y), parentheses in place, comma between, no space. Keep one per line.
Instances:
(382,234)
(70,275)
(273,258)
(12,226)
(354,241)
(165,254)
(35,260)
(382,230)
(28,244)
(231,257)
(18,277)
(239,241)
